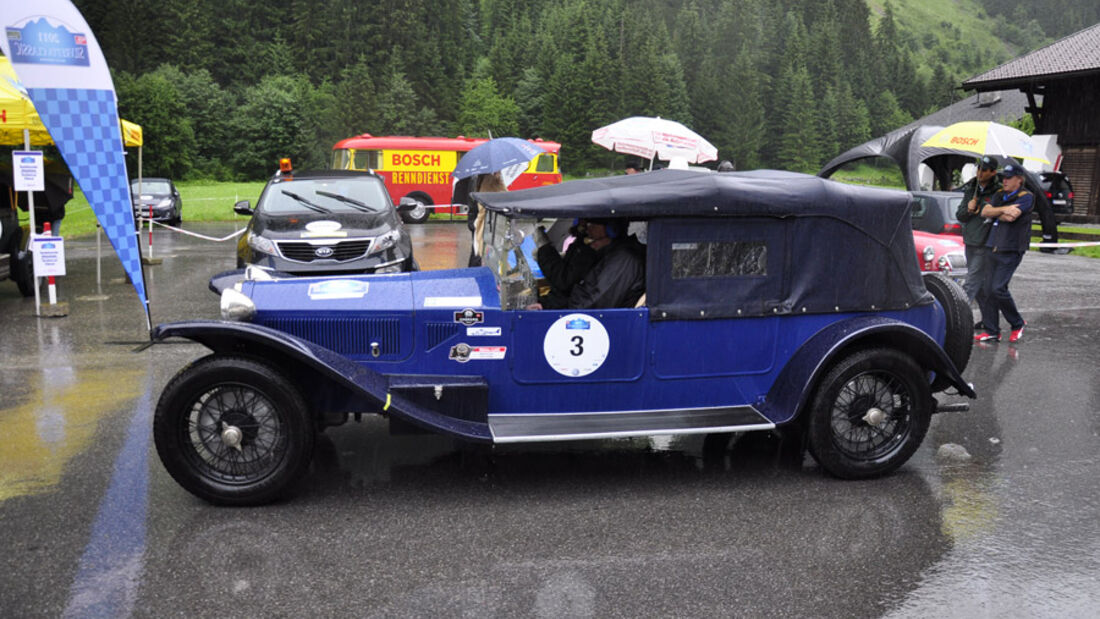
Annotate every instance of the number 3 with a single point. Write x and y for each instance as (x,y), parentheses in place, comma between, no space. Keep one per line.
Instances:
(578,342)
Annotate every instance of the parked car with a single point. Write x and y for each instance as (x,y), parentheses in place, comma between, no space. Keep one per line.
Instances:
(943,253)
(158,198)
(329,222)
(749,322)
(1059,191)
(934,212)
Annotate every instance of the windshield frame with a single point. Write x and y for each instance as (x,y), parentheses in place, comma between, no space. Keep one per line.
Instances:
(502,238)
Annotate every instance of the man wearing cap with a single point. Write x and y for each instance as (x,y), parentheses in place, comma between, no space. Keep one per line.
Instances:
(1009,237)
(977,193)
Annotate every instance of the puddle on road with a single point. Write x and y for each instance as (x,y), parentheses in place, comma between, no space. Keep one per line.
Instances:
(56,421)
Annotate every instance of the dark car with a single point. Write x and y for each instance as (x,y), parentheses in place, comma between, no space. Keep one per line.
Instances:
(934,212)
(14,262)
(329,222)
(747,323)
(156,198)
(1059,191)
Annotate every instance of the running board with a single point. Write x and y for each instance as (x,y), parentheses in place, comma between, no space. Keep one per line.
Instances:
(533,427)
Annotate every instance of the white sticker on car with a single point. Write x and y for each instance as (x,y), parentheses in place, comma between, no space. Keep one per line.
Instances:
(452,301)
(576,345)
(338,289)
(483,331)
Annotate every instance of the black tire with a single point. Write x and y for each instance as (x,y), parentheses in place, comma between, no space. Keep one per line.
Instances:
(958,342)
(420,214)
(877,381)
(219,392)
(22,272)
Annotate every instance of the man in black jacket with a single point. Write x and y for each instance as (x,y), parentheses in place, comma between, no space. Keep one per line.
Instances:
(617,279)
(977,193)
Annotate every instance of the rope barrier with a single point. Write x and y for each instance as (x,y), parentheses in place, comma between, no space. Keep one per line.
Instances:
(1066,245)
(201,236)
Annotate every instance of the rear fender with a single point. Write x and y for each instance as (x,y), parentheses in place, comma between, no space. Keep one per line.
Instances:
(795,385)
(331,382)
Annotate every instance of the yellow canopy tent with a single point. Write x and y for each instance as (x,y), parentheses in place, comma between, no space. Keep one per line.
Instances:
(17,113)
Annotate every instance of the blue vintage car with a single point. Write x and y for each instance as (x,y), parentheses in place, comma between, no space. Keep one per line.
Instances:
(773,300)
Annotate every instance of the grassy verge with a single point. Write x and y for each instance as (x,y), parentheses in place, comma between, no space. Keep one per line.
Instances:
(202,201)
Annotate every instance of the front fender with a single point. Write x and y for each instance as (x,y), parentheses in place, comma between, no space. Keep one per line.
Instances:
(373,388)
(796,383)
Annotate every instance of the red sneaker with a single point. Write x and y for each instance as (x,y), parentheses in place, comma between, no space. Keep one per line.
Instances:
(986,336)
(1017,334)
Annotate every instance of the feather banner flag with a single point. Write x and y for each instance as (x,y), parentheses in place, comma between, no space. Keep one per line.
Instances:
(56,57)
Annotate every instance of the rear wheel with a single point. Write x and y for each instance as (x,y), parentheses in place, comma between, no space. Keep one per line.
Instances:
(869,414)
(421,213)
(233,431)
(958,341)
(22,272)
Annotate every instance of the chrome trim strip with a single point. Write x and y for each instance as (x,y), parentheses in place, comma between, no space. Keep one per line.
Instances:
(543,438)
(534,427)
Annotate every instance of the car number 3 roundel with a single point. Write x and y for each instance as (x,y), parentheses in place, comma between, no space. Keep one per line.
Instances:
(576,345)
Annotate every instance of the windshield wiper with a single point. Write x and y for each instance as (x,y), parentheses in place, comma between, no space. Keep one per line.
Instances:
(356,204)
(307,203)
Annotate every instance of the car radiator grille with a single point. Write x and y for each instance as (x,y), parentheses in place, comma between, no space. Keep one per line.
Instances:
(347,336)
(341,251)
(957,261)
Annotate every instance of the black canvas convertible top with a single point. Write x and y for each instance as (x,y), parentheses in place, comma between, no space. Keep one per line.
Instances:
(686,193)
(834,247)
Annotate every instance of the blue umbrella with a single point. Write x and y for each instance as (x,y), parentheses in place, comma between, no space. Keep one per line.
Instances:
(495,155)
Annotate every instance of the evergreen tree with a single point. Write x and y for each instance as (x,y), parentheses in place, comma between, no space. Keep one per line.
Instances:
(886,114)
(853,122)
(798,148)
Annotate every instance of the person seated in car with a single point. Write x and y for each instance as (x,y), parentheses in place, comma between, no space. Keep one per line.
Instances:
(563,271)
(618,277)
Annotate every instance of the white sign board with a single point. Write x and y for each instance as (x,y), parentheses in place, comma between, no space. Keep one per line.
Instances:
(49,255)
(28,170)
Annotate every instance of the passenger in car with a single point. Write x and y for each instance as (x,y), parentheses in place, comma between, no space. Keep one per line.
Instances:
(617,279)
(563,271)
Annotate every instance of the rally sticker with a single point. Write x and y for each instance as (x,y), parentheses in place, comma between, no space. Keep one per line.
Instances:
(464,352)
(576,345)
(469,316)
(483,331)
(338,289)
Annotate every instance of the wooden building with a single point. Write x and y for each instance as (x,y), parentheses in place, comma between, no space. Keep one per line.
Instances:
(1062,83)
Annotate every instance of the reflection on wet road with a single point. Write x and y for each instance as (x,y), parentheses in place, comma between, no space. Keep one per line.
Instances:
(421,525)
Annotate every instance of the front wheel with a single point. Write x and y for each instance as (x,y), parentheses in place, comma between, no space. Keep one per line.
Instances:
(233,431)
(870,413)
(421,213)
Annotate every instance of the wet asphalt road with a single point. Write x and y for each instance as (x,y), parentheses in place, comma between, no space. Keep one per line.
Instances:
(421,526)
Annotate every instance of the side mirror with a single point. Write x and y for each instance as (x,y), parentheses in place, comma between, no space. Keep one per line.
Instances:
(244,207)
(407,204)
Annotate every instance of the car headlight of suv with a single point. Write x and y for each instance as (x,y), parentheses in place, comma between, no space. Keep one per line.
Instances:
(261,244)
(929,253)
(383,242)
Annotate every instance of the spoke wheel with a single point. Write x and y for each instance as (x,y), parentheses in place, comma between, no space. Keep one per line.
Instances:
(870,413)
(233,431)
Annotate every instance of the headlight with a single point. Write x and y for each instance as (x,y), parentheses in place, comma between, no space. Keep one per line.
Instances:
(383,242)
(929,253)
(235,305)
(165,203)
(261,244)
(943,264)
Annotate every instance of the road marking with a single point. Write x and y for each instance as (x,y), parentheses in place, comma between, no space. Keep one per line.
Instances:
(109,575)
